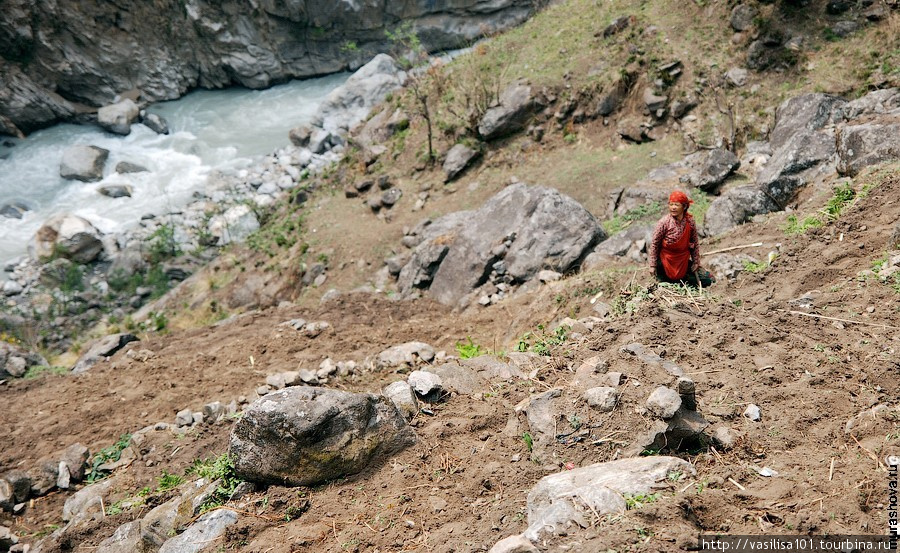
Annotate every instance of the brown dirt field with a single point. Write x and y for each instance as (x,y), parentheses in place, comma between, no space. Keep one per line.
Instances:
(740,345)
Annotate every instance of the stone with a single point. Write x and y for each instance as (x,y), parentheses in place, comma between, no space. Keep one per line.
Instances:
(408,355)
(724,437)
(117,118)
(391,197)
(514,544)
(12,288)
(425,384)
(68,236)
(576,497)
(127,537)
(753,413)
(116,190)
(351,102)
(541,412)
(43,476)
(302,436)
(515,107)
(63,478)
(198,535)
(185,417)
(742,17)
(735,207)
(460,379)
(717,165)
(859,146)
(402,396)
(844,29)
(102,348)
(88,499)
(544,230)
(7,539)
(548,276)
(76,458)
(235,225)
(652,101)
(155,123)
(602,398)
(663,402)
(299,136)
(458,158)
(14,210)
(7,499)
(737,76)
(687,390)
(21,484)
(213,412)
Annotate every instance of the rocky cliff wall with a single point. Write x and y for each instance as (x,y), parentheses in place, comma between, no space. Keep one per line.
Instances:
(60,58)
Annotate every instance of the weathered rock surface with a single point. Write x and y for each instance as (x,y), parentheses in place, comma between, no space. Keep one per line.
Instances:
(302,436)
(573,497)
(516,105)
(84,163)
(199,534)
(403,397)
(133,46)
(117,118)
(116,190)
(68,236)
(235,225)
(15,361)
(527,228)
(458,158)
(408,354)
(104,347)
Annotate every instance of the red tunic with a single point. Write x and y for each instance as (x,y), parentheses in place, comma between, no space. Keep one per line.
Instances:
(675,244)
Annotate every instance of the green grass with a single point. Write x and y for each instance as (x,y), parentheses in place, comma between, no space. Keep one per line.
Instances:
(469,350)
(795,226)
(40,370)
(541,342)
(167,482)
(220,469)
(529,441)
(109,454)
(754,266)
(636,501)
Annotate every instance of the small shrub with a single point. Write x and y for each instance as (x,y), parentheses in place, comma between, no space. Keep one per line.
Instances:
(167,482)
(220,468)
(470,350)
(163,244)
(795,226)
(109,454)
(38,370)
(529,441)
(636,501)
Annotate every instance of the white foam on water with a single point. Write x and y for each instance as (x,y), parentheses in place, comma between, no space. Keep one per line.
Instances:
(209,130)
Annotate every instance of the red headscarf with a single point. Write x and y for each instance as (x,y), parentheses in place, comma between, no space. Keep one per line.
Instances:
(680,197)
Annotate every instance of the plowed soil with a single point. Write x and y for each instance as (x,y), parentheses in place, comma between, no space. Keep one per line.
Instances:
(459,489)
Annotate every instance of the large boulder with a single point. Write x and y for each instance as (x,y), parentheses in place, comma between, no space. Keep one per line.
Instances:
(301,436)
(516,105)
(103,348)
(235,225)
(68,236)
(118,118)
(527,228)
(576,496)
(351,102)
(15,361)
(84,163)
(868,144)
(458,158)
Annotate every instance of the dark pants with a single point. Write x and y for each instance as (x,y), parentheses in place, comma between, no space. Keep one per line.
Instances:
(701,277)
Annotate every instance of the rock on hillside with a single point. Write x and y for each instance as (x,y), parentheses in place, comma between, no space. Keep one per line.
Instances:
(815,135)
(302,436)
(520,231)
(54,55)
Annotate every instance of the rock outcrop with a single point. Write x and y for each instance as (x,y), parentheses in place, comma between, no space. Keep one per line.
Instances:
(68,236)
(518,232)
(50,65)
(302,436)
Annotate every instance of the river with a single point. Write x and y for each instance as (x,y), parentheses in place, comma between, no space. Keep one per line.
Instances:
(209,130)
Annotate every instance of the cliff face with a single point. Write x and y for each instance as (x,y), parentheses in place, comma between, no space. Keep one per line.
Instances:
(58,58)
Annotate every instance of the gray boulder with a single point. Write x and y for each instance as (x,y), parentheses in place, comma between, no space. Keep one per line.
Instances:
(68,236)
(735,207)
(402,396)
(742,17)
(511,114)
(575,497)
(301,436)
(15,361)
(715,167)
(116,191)
(458,158)
(118,118)
(663,402)
(104,347)
(528,228)
(351,102)
(84,163)
(235,225)
(737,76)
(405,355)
(860,146)
(198,535)
(128,167)
(14,210)
(155,123)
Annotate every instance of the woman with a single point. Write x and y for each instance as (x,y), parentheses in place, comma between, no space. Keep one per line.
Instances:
(675,248)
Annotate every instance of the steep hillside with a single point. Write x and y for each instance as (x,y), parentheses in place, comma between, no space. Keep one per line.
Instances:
(802,323)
